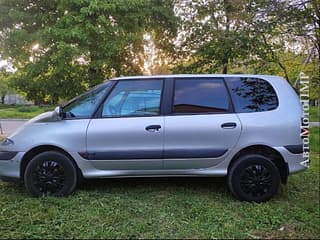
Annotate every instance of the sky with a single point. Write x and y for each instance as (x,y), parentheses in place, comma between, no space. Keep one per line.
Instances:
(7,66)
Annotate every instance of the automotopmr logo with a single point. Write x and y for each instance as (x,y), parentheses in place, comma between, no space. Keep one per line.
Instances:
(304,94)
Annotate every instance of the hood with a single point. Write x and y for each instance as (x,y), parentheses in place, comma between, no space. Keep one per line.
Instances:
(42,118)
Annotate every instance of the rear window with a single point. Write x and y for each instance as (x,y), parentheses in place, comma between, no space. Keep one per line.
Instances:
(252,95)
(200,96)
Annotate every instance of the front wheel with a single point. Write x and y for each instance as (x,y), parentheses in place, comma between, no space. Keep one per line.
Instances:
(253,178)
(50,174)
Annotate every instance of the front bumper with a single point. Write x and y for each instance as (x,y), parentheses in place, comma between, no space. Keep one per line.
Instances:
(10,169)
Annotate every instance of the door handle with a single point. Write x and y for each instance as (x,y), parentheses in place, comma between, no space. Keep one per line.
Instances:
(153,128)
(228,125)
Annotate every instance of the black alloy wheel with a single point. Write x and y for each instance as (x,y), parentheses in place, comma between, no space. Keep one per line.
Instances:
(50,174)
(253,178)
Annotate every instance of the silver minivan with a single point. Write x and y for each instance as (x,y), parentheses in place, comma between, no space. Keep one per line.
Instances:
(244,127)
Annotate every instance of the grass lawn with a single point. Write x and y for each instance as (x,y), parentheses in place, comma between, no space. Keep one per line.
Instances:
(22,112)
(314,114)
(165,208)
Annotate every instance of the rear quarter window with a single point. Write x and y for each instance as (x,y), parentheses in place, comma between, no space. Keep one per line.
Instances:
(252,95)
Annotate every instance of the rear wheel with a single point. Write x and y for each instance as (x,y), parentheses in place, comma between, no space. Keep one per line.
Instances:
(253,178)
(50,174)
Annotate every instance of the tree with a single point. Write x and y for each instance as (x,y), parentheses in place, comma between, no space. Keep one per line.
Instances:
(4,86)
(223,35)
(290,37)
(61,48)
(214,33)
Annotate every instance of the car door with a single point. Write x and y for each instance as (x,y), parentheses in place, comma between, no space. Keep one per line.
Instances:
(201,128)
(128,134)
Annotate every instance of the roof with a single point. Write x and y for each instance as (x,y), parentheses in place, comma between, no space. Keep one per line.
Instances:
(194,75)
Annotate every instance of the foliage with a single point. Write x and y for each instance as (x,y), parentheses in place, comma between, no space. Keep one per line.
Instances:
(271,37)
(61,48)
(4,85)
(214,32)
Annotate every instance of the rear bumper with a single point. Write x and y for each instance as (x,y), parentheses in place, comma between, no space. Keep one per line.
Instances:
(295,148)
(295,160)
(10,169)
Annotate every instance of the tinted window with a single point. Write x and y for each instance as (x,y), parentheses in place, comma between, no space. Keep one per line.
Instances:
(252,95)
(84,105)
(200,95)
(134,98)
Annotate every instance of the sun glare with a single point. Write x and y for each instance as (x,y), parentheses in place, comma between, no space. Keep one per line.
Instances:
(149,54)
(35,47)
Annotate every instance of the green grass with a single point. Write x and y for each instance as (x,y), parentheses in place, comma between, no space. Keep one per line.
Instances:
(314,114)
(165,208)
(22,112)
(314,139)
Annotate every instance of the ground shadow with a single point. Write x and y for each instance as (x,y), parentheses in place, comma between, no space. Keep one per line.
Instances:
(156,183)
(202,185)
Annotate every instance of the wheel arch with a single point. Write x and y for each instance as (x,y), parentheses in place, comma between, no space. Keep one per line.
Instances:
(40,149)
(266,151)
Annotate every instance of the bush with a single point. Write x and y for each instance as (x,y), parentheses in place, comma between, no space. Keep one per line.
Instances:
(27,109)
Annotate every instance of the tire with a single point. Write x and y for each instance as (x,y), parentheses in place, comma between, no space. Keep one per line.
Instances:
(253,178)
(50,174)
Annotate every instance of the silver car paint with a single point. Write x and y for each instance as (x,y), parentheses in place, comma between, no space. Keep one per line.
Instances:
(196,132)
(126,135)
(68,135)
(275,128)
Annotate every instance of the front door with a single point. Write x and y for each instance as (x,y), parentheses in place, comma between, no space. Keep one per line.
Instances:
(129,134)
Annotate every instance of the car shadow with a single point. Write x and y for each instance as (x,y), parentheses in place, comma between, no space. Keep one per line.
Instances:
(217,184)
(198,185)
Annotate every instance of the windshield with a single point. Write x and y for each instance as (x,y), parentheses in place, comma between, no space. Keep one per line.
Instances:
(84,105)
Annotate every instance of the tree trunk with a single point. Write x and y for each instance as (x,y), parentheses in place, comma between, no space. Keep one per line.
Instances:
(2,99)
(54,100)
(275,58)
(225,68)
(225,60)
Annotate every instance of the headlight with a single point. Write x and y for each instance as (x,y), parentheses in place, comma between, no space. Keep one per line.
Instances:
(6,142)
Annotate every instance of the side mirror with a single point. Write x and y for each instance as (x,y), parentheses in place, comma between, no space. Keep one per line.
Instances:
(58,111)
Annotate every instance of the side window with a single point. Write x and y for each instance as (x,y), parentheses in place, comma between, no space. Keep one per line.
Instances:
(134,98)
(84,105)
(200,95)
(252,95)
